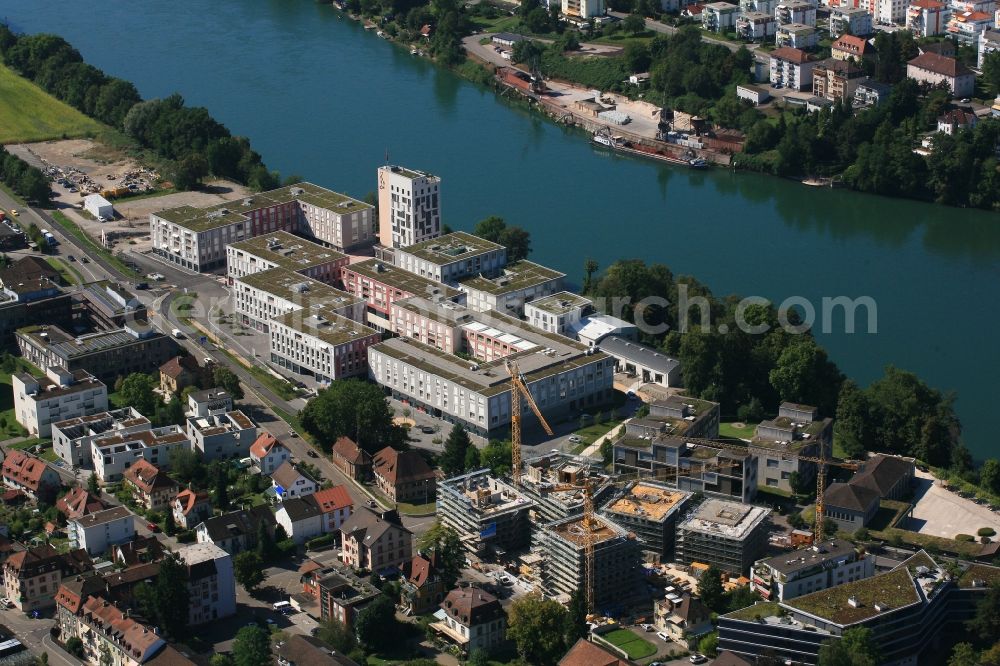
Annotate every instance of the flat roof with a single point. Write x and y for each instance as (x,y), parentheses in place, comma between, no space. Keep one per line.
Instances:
(561,302)
(287,250)
(732,520)
(575,528)
(398,278)
(447,249)
(650,501)
(803,433)
(516,276)
(298,288)
(324,323)
(806,558)
(408,173)
(486,494)
(67,347)
(234,211)
(889,591)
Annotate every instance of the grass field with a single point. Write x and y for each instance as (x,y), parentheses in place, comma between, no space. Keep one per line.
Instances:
(730,430)
(634,645)
(28,113)
(11,428)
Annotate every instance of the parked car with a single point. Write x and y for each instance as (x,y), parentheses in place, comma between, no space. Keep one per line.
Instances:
(698,658)
(6,603)
(153,527)
(662,635)
(647,627)
(575,439)
(312,454)
(427,430)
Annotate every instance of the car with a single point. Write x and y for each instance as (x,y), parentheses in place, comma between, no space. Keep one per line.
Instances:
(965,100)
(646,627)
(153,527)
(292,433)
(312,454)
(662,635)
(575,439)
(13,211)
(6,603)
(631,395)
(427,430)
(697,658)
(101,218)
(85,260)
(71,257)
(142,285)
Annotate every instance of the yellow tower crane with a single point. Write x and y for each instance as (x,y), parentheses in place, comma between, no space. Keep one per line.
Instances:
(519,390)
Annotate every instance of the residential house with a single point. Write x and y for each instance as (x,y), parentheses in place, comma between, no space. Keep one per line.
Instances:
(300,518)
(211,582)
(96,532)
(268,454)
(150,486)
(61,394)
(473,619)
(791,68)
(190,508)
(178,373)
(208,402)
(955,120)
(375,540)
(422,587)
(836,80)
(236,531)
(353,460)
(719,16)
(849,47)
(927,18)
(141,550)
(871,92)
(933,69)
(30,475)
(404,476)
(290,481)
(336,505)
(585,653)
(796,36)
(850,21)
(850,506)
(31,577)
(685,619)
(79,502)
(225,435)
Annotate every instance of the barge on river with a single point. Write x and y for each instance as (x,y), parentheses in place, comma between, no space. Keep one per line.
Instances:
(623,145)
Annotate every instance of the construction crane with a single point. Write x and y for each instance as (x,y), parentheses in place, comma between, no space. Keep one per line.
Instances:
(519,390)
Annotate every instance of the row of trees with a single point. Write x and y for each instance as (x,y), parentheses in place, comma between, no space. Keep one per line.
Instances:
(189,136)
(24,179)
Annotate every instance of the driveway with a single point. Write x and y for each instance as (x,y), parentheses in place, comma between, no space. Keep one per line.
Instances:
(941,512)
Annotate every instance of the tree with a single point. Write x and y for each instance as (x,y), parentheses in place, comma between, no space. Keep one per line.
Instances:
(856,647)
(190,171)
(709,644)
(590,267)
(634,24)
(800,485)
(741,597)
(497,456)
(472,461)
(710,588)
(964,654)
(266,549)
(537,21)
(456,447)
(986,622)
(805,375)
(252,647)
(248,568)
(221,488)
(536,625)
(137,391)
(377,624)
(75,647)
(515,239)
(93,487)
(228,380)
(355,409)
(636,55)
(478,657)
(337,636)
(167,599)
(169,526)
(991,71)
(989,475)
(186,466)
(576,617)
(174,413)
(851,425)
(445,543)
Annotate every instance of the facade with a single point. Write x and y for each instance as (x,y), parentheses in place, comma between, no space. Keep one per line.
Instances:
(22,307)
(452,257)
(225,435)
(800,12)
(380,284)
(290,481)
(375,540)
(488,513)
(268,454)
(809,570)
(933,69)
(683,618)
(404,476)
(409,205)
(890,12)
(196,238)
(321,343)
(113,454)
(797,431)
(236,531)
(926,18)
(351,459)
(719,16)
(871,92)
(730,535)
(756,26)
(559,313)
(835,80)
(323,512)
(850,22)
(137,347)
(850,506)
(31,577)
(518,283)
(638,360)
(59,395)
(211,582)
(851,48)
(583,9)
(797,36)
(209,402)
(71,439)
(753,94)
(422,588)
(151,488)
(791,68)
(650,510)
(30,475)
(989,42)
(473,619)
(956,120)
(97,532)
(617,559)
(191,508)
(281,249)
(966,27)
(259,298)
(108,633)
(335,505)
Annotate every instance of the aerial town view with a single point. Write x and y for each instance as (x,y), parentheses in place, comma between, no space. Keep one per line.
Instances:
(499,333)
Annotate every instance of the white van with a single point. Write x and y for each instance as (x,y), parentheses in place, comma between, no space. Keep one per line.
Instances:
(283,607)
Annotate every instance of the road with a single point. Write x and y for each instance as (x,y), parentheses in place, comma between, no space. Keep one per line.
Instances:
(665,29)
(36,636)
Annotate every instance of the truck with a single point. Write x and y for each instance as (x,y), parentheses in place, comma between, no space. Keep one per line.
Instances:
(177,334)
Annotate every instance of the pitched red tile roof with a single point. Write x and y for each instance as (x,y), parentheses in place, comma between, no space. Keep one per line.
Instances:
(178,364)
(78,502)
(25,470)
(585,653)
(796,56)
(927,4)
(147,477)
(940,64)
(263,445)
(332,499)
(124,630)
(851,44)
(401,466)
(471,606)
(189,499)
(420,570)
(345,448)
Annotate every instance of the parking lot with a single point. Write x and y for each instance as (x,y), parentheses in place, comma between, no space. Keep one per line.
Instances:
(941,512)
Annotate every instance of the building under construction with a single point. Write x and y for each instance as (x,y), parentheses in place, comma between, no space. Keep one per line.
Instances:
(650,510)
(730,535)
(542,476)
(617,560)
(490,515)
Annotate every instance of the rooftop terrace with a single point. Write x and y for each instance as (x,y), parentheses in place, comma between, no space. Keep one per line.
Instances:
(456,246)
(516,276)
(289,251)
(297,288)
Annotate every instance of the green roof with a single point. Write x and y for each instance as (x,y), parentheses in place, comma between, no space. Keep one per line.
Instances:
(231,212)
(560,303)
(289,251)
(452,247)
(409,173)
(813,429)
(398,278)
(892,590)
(516,276)
(326,324)
(286,284)
(976,572)
(761,609)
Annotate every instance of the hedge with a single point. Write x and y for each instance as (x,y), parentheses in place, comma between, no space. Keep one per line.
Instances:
(986,532)
(320,541)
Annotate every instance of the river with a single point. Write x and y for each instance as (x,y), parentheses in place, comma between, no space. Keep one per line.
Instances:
(322,98)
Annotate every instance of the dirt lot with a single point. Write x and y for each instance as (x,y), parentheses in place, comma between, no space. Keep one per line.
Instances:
(941,512)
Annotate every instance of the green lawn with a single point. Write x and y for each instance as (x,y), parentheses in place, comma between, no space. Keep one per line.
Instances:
(502,23)
(28,113)
(72,228)
(730,430)
(634,645)
(12,428)
(68,273)
(416,509)
(590,434)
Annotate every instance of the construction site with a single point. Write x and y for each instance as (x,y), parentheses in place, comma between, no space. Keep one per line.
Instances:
(556,482)
(730,535)
(650,510)
(490,515)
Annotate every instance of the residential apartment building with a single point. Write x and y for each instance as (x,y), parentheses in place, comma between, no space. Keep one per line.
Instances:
(518,283)
(375,540)
(473,619)
(927,18)
(259,298)
(59,395)
(236,531)
(268,454)
(422,587)
(404,476)
(800,12)
(907,610)
(211,582)
(796,36)
(791,68)
(850,48)
(114,454)
(191,508)
(380,284)
(32,476)
(452,257)
(836,80)
(552,481)
(105,354)
(766,6)
(109,635)
(31,577)
(559,313)
(890,12)
(719,16)
(209,402)
(797,431)
(78,502)
(281,249)
(97,532)
(729,535)
(196,238)
(756,26)
(932,68)
(809,570)
(226,435)
(488,514)
(321,343)
(342,595)
(151,487)
(966,27)
(409,206)
(989,42)
(850,21)
(650,510)
(583,9)
(871,92)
